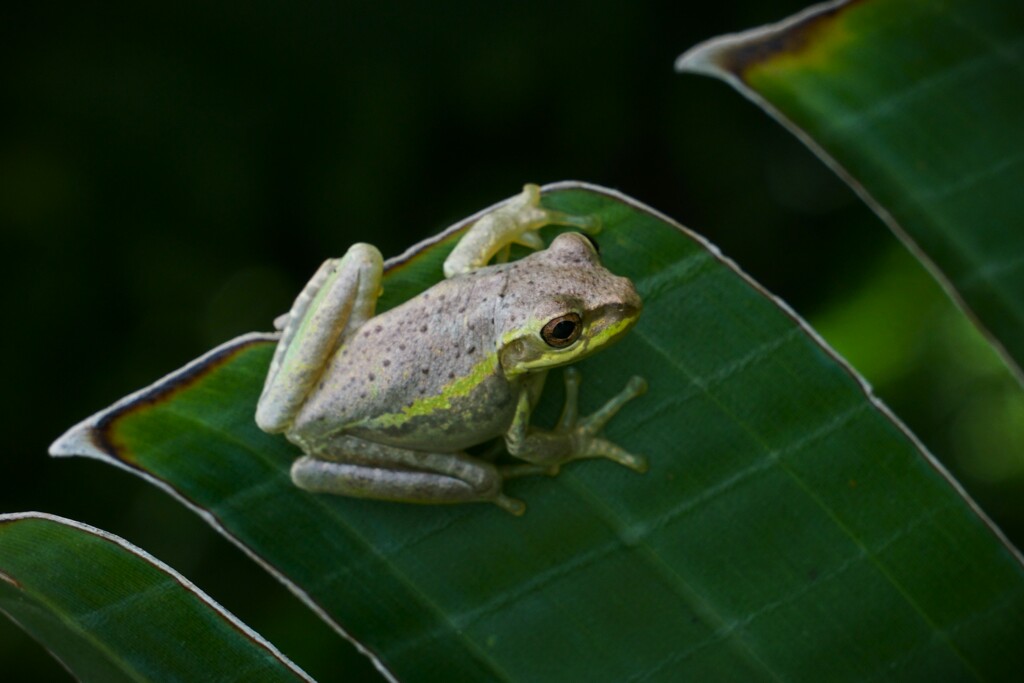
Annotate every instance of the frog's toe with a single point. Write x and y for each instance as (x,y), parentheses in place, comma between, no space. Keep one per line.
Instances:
(637,386)
(511,505)
(602,448)
(637,463)
(595,422)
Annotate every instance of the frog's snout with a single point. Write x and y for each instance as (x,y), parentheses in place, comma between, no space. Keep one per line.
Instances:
(624,310)
(630,299)
(620,316)
(630,310)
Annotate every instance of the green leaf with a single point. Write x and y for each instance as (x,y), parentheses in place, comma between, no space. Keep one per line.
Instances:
(789,527)
(110,612)
(917,104)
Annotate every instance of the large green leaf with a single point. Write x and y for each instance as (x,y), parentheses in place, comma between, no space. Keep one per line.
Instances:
(110,612)
(919,105)
(789,527)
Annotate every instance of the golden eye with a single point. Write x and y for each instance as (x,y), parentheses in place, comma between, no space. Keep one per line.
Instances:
(563,330)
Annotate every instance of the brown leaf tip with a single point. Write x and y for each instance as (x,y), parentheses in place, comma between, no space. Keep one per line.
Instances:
(731,55)
(94,436)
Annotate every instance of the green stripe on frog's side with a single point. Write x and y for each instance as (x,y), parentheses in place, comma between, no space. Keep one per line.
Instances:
(460,387)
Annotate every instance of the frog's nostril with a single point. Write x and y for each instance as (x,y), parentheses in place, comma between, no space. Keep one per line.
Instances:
(630,298)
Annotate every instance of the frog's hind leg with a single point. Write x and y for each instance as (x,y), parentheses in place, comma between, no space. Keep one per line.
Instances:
(363,469)
(339,298)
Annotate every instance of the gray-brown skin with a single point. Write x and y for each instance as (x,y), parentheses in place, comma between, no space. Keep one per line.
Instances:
(384,408)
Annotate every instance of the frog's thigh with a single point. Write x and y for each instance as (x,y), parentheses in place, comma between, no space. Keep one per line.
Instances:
(370,470)
(341,296)
(368,264)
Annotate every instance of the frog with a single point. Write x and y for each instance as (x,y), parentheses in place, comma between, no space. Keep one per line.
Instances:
(386,405)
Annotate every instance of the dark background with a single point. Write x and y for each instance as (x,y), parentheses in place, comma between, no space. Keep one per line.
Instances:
(171,174)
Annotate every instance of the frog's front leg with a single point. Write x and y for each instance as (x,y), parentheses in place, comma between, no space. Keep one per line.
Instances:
(574,438)
(350,466)
(514,222)
(340,297)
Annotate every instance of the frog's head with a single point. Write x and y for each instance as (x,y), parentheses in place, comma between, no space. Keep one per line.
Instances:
(561,305)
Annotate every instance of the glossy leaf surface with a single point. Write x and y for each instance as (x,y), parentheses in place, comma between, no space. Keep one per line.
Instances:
(110,612)
(788,529)
(918,104)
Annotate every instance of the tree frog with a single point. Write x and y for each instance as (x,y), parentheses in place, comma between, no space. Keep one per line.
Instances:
(384,406)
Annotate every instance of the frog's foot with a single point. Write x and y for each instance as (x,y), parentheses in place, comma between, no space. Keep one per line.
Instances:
(586,442)
(584,431)
(515,222)
(574,438)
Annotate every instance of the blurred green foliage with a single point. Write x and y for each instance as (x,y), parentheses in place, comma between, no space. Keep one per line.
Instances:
(171,173)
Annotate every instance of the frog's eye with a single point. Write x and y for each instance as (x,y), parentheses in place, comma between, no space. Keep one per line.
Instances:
(563,330)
